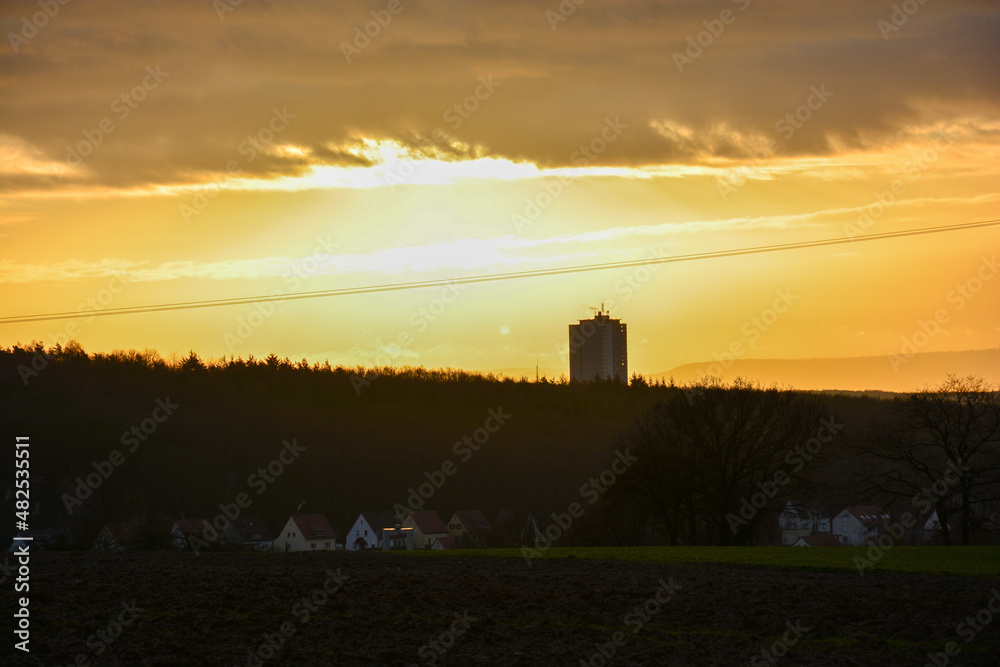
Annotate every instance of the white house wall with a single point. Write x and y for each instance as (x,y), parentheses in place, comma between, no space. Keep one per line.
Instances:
(362,530)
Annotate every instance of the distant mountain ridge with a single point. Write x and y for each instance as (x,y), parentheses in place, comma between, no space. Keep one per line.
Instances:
(882,373)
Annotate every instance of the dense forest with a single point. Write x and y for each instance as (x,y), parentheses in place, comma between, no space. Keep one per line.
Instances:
(176,440)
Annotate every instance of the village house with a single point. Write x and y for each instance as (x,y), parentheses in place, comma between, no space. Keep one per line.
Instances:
(249,534)
(117,536)
(856,526)
(188,533)
(818,540)
(306,532)
(800,520)
(366,533)
(469,528)
(397,538)
(445,543)
(427,526)
(932,533)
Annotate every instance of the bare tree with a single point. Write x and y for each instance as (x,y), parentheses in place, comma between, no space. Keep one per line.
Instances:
(663,484)
(705,452)
(943,450)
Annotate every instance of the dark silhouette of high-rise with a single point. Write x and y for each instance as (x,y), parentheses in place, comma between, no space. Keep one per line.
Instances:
(598,349)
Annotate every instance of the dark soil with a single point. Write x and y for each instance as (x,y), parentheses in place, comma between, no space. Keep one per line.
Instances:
(214,609)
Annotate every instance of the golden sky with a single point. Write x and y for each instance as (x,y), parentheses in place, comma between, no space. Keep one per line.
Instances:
(168,152)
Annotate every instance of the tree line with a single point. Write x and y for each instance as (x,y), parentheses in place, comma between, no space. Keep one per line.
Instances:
(717,462)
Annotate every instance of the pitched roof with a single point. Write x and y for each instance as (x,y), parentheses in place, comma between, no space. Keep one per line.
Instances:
(195,527)
(473,520)
(380,519)
(252,529)
(428,522)
(934,523)
(445,542)
(805,509)
(124,533)
(870,515)
(314,526)
(821,540)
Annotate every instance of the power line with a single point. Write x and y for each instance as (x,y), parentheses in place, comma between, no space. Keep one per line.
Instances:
(392,287)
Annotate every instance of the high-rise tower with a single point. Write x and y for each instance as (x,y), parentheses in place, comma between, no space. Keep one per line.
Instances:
(598,349)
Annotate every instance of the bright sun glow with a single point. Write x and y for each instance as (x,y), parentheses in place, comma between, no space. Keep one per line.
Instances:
(252,156)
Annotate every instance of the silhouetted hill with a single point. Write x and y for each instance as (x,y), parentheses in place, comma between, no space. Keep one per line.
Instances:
(884,373)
